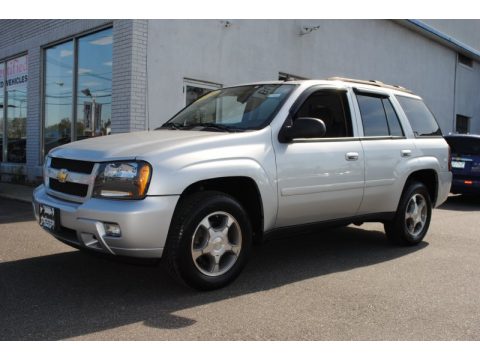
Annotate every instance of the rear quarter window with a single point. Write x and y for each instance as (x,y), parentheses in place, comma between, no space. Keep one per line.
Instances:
(421,118)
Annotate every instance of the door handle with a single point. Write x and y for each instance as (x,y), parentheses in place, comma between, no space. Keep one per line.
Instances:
(351,156)
(406,153)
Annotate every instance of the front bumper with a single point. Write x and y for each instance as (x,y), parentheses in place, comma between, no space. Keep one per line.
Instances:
(144,223)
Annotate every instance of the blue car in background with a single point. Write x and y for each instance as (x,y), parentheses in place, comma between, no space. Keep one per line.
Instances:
(465,163)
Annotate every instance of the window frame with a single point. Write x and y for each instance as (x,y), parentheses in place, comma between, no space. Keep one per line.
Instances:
(465,61)
(3,155)
(467,120)
(209,85)
(397,96)
(305,95)
(43,72)
(382,96)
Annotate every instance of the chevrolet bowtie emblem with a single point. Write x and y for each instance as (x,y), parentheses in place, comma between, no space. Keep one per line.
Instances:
(62,175)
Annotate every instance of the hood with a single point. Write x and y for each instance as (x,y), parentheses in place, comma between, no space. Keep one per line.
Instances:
(131,145)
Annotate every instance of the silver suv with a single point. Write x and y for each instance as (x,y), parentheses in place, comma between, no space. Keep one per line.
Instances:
(244,163)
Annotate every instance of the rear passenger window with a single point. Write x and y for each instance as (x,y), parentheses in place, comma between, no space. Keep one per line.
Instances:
(378,116)
(373,116)
(421,119)
(392,119)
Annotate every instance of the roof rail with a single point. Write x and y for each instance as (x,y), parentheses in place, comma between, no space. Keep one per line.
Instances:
(371,82)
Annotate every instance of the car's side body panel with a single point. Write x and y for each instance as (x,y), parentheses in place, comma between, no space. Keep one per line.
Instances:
(237,155)
(385,171)
(316,181)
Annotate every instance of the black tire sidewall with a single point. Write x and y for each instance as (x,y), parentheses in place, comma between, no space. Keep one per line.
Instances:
(185,263)
(414,188)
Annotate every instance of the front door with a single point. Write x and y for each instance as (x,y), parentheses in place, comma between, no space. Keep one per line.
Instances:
(321,179)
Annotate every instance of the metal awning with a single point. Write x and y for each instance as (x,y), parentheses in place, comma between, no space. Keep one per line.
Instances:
(440,37)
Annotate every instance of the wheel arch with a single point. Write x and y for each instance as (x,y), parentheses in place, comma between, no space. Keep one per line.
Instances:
(428,177)
(242,188)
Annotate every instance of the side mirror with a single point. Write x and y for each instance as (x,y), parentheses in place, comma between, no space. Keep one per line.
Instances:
(302,128)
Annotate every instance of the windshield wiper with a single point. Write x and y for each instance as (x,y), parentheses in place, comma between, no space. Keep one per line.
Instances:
(171,125)
(205,125)
(216,126)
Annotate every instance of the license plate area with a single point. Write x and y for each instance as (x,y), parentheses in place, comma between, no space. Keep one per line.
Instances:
(458,164)
(48,217)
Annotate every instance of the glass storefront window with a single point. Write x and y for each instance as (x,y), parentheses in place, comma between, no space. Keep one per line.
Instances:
(13,109)
(88,61)
(16,94)
(2,90)
(58,95)
(94,84)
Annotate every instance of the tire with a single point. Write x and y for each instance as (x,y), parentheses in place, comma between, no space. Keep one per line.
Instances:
(412,219)
(209,241)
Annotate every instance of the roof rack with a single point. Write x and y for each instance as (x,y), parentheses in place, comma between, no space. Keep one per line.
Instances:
(371,82)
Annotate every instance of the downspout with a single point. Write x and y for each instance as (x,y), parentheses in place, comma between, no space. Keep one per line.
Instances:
(455,94)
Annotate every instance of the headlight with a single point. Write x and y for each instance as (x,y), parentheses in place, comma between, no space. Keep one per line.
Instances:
(122,180)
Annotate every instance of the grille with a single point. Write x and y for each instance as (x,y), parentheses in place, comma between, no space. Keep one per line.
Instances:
(84,167)
(69,188)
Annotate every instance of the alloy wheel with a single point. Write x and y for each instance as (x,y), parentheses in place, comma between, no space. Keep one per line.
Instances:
(216,243)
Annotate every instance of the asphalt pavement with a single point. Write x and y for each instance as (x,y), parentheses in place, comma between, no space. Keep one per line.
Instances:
(339,284)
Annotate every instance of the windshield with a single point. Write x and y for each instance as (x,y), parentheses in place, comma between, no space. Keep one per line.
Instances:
(240,108)
(464,145)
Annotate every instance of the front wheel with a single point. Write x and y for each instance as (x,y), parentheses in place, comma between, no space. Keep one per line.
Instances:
(209,240)
(412,219)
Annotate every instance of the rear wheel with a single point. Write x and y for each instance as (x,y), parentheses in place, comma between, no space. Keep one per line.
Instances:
(413,215)
(209,241)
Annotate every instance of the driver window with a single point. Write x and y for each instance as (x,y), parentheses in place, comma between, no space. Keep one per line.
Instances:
(332,108)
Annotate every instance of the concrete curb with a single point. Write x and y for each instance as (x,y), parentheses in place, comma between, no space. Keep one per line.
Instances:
(16,192)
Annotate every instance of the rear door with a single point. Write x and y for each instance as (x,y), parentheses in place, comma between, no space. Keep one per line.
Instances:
(386,150)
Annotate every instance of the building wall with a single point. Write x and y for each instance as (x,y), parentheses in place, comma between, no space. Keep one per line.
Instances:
(464,30)
(255,50)
(128,74)
(467,88)
(151,58)
(467,94)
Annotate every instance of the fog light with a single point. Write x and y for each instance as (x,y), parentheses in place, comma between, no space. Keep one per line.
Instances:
(112,229)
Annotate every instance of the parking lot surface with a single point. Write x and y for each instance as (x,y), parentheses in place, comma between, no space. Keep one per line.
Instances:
(338,284)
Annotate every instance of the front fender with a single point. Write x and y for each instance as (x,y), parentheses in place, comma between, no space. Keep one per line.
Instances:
(212,169)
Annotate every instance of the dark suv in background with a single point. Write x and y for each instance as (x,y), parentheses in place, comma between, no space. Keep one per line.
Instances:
(465,163)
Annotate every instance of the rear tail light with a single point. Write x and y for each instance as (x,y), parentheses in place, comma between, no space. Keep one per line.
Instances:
(468,182)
